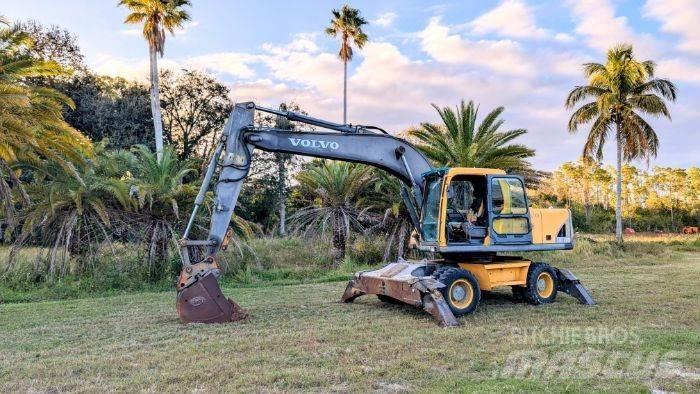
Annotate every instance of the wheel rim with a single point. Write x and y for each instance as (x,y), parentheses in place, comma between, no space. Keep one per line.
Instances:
(461,293)
(545,285)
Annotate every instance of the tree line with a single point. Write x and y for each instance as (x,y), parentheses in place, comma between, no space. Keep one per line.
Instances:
(657,199)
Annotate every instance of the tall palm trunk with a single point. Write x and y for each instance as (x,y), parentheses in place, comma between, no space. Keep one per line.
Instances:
(339,239)
(155,102)
(282,192)
(618,187)
(345,91)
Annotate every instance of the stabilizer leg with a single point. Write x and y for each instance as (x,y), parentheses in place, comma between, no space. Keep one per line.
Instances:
(435,304)
(571,285)
(352,291)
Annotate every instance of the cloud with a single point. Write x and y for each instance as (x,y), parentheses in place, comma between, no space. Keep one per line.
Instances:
(597,23)
(230,63)
(511,18)
(130,32)
(304,42)
(302,62)
(679,17)
(503,56)
(569,64)
(385,20)
(564,38)
(137,69)
(679,68)
(186,27)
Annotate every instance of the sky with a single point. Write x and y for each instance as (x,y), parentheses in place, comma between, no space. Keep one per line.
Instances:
(525,55)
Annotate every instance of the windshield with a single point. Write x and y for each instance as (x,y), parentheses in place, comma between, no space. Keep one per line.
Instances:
(431,210)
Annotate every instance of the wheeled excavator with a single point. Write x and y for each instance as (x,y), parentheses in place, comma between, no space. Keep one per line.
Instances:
(474,219)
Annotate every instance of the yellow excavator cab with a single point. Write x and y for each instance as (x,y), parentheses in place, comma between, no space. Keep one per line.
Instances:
(470,211)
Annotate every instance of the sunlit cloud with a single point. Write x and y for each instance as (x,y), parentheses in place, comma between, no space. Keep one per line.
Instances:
(511,18)
(131,32)
(680,17)
(384,20)
(502,56)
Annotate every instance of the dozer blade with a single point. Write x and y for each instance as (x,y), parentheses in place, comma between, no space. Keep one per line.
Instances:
(406,282)
(571,285)
(200,300)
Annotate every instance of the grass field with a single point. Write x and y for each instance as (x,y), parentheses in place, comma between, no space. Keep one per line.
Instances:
(644,335)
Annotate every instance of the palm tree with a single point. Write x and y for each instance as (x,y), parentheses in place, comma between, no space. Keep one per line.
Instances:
(347,25)
(157,16)
(460,142)
(31,123)
(72,210)
(396,222)
(332,190)
(161,191)
(621,90)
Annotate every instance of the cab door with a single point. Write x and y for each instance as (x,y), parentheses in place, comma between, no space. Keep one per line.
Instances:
(509,217)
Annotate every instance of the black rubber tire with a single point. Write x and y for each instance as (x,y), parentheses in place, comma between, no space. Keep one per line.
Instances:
(447,276)
(532,295)
(389,300)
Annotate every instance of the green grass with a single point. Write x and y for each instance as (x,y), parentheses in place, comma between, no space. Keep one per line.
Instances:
(300,339)
(122,269)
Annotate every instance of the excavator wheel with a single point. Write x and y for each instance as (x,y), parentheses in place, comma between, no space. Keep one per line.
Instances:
(461,291)
(541,286)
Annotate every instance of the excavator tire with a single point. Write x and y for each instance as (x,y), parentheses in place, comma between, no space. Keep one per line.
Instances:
(541,285)
(461,291)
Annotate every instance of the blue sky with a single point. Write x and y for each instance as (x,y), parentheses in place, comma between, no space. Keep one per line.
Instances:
(522,54)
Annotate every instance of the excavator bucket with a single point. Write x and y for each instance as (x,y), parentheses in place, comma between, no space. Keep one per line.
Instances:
(200,300)
(407,282)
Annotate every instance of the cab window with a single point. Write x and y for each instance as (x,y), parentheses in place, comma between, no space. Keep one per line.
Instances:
(508,196)
(431,210)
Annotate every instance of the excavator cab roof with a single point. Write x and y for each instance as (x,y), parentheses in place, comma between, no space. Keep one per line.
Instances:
(453,171)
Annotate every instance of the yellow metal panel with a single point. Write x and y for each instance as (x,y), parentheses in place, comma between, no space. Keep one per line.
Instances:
(505,193)
(490,276)
(516,225)
(545,229)
(473,171)
(442,236)
(536,221)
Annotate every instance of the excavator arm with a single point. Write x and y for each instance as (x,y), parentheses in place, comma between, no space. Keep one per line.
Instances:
(199,296)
